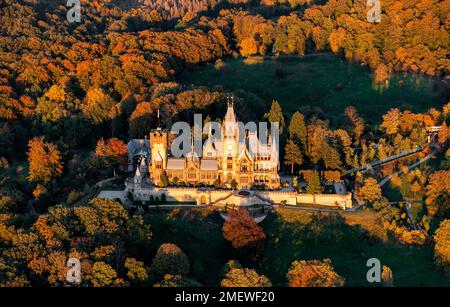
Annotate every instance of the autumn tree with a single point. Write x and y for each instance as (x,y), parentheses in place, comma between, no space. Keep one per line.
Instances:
(337,40)
(275,115)
(112,152)
(313,273)
(314,186)
(381,74)
(444,133)
(438,194)
(442,247)
(243,232)
(291,35)
(446,111)
(323,145)
(248,47)
(297,130)
(243,277)
(391,121)
(137,273)
(292,156)
(170,259)
(387,213)
(53,266)
(345,142)
(370,191)
(102,216)
(353,123)
(176,281)
(45,162)
(387,276)
(97,105)
(103,275)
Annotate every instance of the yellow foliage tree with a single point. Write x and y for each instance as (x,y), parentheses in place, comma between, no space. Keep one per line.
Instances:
(44,161)
(442,247)
(370,191)
(243,277)
(248,47)
(56,93)
(438,194)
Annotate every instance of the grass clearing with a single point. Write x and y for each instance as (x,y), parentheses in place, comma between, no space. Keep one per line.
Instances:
(295,235)
(349,245)
(320,80)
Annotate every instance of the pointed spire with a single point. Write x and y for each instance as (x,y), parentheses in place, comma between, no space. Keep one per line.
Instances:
(143,165)
(229,116)
(137,174)
(158,123)
(192,155)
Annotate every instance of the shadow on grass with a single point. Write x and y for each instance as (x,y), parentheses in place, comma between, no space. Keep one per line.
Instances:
(349,248)
(198,232)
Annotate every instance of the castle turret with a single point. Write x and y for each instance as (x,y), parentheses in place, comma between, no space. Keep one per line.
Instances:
(158,149)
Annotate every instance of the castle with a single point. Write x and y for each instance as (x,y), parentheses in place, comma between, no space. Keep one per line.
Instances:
(227,161)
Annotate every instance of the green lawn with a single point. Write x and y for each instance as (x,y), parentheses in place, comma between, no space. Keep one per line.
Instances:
(349,248)
(198,233)
(295,235)
(323,81)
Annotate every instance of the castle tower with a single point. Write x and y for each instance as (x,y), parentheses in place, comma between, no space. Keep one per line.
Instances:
(230,139)
(158,149)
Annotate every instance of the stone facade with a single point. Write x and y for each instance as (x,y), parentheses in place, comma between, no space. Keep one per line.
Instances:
(224,197)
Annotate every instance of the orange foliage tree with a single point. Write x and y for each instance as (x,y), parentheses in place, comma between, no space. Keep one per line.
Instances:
(313,273)
(442,247)
(243,232)
(44,161)
(111,152)
(249,47)
(438,194)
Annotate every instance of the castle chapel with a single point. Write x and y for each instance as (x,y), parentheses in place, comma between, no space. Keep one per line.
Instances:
(226,161)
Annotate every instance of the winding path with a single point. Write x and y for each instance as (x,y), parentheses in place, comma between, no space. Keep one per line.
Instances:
(423,160)
(386,160)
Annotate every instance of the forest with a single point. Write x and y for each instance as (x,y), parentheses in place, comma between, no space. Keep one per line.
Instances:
(72,95)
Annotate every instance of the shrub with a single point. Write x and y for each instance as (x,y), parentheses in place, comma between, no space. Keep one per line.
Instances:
(170,259)
(238,277)
(313,273)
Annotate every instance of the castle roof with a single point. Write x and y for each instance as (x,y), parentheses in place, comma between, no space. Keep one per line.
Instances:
(176,163)
(209,165)
(138,147)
